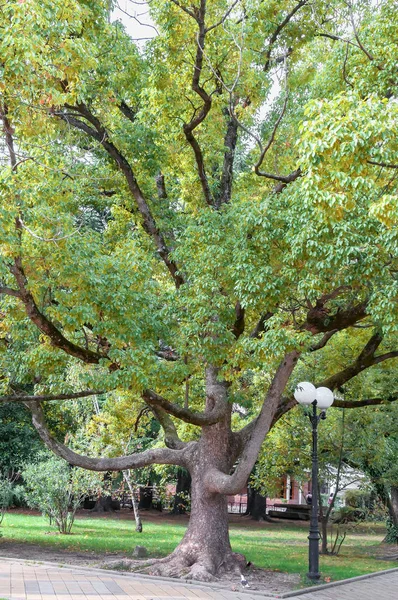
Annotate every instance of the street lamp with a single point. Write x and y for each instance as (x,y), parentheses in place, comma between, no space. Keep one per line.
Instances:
(306,394)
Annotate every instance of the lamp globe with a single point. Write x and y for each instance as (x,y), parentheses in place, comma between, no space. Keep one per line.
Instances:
(324,397)
(305,393)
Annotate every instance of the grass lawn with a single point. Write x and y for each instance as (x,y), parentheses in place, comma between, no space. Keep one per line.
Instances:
(279,546)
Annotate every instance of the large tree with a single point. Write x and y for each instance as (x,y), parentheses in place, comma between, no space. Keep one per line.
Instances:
(182,223)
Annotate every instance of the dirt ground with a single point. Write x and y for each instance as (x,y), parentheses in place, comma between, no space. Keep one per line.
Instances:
(259,579)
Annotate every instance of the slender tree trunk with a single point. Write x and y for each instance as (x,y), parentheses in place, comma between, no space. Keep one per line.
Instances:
(324,534)
(138,522)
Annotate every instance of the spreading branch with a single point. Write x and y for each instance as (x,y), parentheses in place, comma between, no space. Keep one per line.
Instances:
(224,17)
(222,483)
(239,325)
(9,291)
(127,111)
(319,320)
(187,10)
(323,341)
(365,359)
(261,325)
(161,187)
(367,402)
(97,131)
(161,456)
(354,27)
(382,164)
(230,141)
(278,31)
(199,15)
(171,437)
(270,142)
(185,414)
(49,398)
(44,324)
(8,134)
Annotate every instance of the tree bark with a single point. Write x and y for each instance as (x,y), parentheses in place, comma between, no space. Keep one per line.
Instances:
(394,505)
(324,534)
(205,550)
(257,505)
(183,490)
(105,504)
(138,522)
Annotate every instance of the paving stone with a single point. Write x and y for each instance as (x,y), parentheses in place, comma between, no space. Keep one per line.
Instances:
(19,581)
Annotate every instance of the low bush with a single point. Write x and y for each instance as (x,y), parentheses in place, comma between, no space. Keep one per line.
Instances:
(57,490)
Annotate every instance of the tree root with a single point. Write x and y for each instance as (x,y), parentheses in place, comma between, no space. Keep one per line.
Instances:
(185,565)
(202,567)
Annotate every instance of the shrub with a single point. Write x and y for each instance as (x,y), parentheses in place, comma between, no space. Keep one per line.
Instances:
(6,493)
(392,532)
(57,490)
(348,514)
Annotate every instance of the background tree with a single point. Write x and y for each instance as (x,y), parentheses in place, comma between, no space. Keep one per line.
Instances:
(245,162)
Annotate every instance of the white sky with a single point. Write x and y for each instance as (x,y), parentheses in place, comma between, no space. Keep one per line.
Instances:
(135,17)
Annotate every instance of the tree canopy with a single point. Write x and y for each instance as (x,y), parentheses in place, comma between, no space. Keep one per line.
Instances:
(184,222)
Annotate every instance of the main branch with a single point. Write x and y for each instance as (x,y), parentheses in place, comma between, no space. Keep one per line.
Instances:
(161,456)
(97,131)
(49,397)
(220,482)
(189,416)
(44,324)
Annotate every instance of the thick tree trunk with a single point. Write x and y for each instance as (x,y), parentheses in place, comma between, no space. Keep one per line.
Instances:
(205,551)
(256,506)
(392,505)
(390,501)
(105,504)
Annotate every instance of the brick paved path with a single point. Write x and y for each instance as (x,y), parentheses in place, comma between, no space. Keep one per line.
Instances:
(23,580)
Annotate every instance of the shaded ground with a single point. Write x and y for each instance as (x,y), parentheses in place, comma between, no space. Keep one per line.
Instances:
(385,552)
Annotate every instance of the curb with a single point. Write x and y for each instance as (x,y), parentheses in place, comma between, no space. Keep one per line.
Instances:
(325,586)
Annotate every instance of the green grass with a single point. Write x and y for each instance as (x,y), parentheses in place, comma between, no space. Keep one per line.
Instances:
(278,546)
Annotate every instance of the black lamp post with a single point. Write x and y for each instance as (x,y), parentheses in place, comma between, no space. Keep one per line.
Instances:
(306,394)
